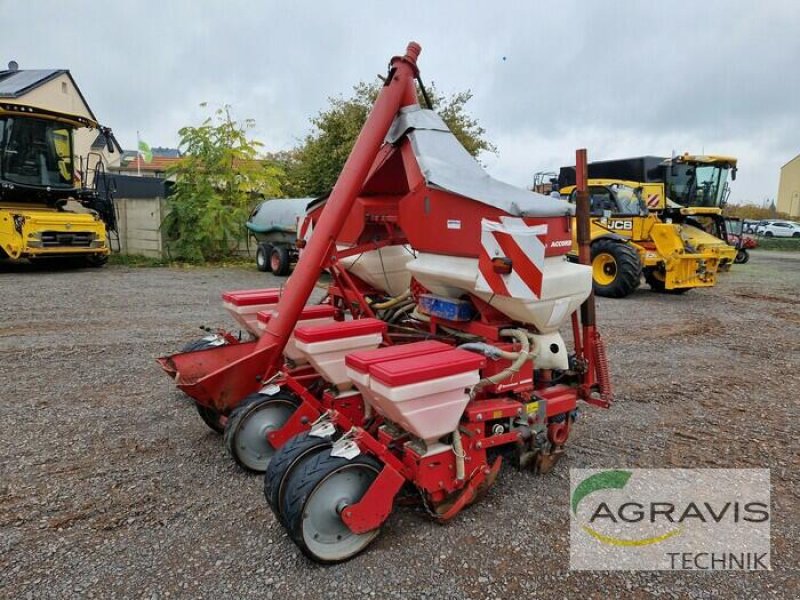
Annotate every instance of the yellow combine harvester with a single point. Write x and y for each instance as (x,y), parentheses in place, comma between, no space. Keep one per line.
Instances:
(667,221)
(47,209)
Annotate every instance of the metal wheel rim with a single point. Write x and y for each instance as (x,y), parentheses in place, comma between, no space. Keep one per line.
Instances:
(604,268)
(261,260)
(250,439)
(275,261)
(324,533)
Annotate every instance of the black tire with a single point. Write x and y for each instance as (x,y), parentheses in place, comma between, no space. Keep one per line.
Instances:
(768,234)
(307,486)
(263,253)
(742,256)
(796,234)
(616,268)
(243,442)
(284,461)
(210,417)
(654,276)
(280,260)
(96,261)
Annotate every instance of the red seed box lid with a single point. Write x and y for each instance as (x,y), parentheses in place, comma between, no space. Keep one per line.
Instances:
(252,297)
(361,360)
(338,330)
(426,367)
(319,311)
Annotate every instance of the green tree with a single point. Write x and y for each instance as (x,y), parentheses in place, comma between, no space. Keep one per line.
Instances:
(218,180)
(312,168)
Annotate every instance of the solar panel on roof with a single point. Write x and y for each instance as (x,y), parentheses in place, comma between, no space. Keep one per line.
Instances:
(12,85)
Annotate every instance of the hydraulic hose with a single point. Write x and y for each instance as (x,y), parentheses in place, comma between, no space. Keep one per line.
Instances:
(522,356)
(392,301)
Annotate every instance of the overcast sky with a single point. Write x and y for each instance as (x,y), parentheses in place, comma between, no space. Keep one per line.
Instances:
(621,78)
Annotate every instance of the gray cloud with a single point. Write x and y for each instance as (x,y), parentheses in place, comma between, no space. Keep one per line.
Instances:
(619,77)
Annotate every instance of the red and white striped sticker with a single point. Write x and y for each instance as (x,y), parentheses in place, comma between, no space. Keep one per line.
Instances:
(652,201)
(524,245)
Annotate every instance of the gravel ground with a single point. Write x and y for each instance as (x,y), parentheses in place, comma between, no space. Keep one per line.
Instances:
(112,487)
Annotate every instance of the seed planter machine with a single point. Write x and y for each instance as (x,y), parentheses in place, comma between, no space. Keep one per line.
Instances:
(437,353)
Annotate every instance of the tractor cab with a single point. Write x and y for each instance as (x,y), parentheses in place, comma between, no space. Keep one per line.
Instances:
(609,198)
(699,181)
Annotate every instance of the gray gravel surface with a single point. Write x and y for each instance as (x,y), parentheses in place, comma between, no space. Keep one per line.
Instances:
(112,487)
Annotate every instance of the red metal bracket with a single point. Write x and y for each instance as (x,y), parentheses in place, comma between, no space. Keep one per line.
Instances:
(376,504)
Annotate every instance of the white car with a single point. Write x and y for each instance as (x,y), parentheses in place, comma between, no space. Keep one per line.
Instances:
(779,229)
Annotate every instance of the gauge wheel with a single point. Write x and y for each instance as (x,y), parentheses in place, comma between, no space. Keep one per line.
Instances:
(210,417)
(284,461)
(317,492)
(250,422)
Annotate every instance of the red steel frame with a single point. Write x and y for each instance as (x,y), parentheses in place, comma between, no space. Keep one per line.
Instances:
(232,372)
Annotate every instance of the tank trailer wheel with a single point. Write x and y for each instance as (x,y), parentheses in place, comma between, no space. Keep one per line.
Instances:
(656,278)
(250,422)
(263,254)
(742,256)
(210,417)
(317,492)
(616,268)
(279,260)
(284,461)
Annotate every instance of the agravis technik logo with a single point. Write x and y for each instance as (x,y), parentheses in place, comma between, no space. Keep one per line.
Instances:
(704,519)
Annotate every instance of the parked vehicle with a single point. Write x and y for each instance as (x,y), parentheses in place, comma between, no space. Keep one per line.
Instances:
(779,229)
(738,237)
(50,208)
(274,225)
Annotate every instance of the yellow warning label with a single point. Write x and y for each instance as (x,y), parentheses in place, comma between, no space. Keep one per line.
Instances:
(498,414)
(532,407)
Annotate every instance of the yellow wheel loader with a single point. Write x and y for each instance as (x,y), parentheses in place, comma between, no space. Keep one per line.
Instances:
(628,241)
(48,210)
(688,189)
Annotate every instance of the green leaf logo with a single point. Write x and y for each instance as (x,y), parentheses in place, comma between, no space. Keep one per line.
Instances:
(599,481)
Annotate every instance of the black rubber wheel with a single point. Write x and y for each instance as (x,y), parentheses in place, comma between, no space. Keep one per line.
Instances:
(742,256)
(248,425)
(279,260)
(655,278)
(616,268)
(768,234)
(263,253)
(210,417)
(96,261)
(316,493)
(284,461)
(796,234)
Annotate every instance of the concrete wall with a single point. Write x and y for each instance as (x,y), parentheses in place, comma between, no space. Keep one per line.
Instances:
(139,226)
(789,188)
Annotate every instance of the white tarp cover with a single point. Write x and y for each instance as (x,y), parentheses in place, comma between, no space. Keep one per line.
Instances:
(447,165)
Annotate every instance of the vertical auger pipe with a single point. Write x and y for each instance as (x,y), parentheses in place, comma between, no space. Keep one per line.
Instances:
(225,387)
(584,231)
(398,91)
